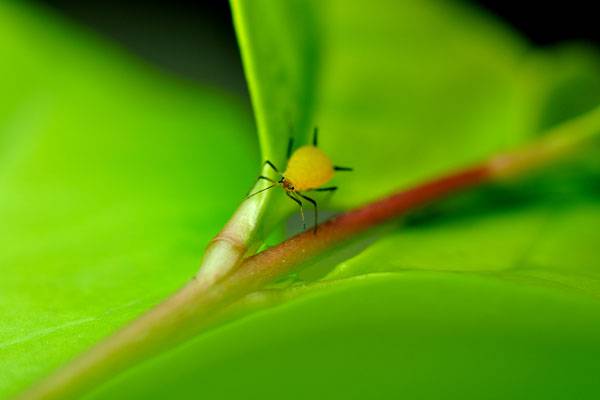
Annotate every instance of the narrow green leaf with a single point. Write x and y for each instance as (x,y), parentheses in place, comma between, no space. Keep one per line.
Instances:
(280,45)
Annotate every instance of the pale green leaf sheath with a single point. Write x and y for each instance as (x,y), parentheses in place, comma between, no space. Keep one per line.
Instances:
(281,71)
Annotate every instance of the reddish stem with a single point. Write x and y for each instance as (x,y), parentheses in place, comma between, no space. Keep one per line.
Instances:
(195,306)
(264,267)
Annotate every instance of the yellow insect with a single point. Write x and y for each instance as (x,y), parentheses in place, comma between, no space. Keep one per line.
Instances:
(308,168)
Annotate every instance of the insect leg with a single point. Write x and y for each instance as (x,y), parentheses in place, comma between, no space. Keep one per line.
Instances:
(338,168)
(290,147)
(265,178)
(325,189)
(301,208)
(316,136)
(262,190)
(270,164)
(314,203)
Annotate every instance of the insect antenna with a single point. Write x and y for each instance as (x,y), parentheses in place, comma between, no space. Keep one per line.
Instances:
(266,178)
(260,191)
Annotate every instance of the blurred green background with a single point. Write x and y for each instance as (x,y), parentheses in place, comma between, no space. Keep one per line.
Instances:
(127,138)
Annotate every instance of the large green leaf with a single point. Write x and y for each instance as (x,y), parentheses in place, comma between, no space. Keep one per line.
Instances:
(113,177)
(554,241)
(493,295)
(499,299)
(415,335)
(501,302)
(492,302)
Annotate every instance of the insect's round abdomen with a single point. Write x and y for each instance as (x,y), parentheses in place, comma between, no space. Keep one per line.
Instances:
(308,168)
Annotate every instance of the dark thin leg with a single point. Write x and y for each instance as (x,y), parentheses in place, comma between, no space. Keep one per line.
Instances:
(290,147)
(316,136)
(336,168)
(265,178)
(261,190)
(314,203)
(270,164)
(324,189)
(301,208)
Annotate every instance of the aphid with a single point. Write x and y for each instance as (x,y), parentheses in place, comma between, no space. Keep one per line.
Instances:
(308,168)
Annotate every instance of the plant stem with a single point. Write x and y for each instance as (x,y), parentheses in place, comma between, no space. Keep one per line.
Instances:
(195,306)
(235,240)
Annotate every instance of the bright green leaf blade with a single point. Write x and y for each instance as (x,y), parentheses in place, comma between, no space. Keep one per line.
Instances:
(556,241)
(112,180)
(566,79)
(279,42)
(410,335)
(405,90)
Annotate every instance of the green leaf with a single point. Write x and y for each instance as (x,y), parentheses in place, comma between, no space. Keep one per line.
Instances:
(430,86)
(279,42)
(402,91)
(415,335)
(496,301)
(113,177)
(555,241)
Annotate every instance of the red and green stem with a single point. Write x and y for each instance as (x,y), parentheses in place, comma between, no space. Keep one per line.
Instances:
(199,304)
